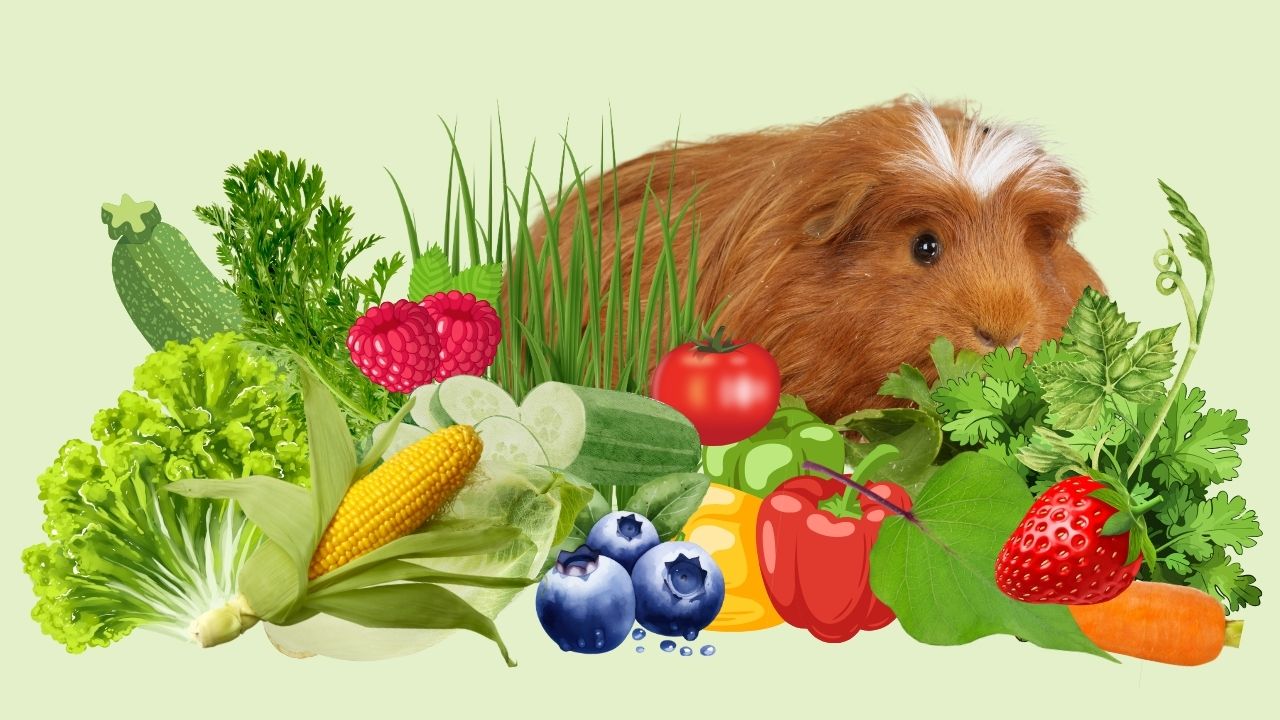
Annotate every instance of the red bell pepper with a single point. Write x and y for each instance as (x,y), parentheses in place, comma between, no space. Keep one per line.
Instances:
(814,542)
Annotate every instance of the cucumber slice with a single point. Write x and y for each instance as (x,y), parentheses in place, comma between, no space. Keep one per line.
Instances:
(466,400)
(421,412)
(505,439)
(558,419)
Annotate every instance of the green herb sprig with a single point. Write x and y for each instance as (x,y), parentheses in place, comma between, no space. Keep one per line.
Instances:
(1097,403)
(288,249)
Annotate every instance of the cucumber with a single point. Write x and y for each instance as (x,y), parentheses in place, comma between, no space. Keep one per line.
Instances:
(421,412)
(166,289)
(605,437)
(629,439)
(507,440)
(466,400)
(558,419)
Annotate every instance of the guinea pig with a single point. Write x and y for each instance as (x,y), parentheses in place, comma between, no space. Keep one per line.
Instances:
(845,247)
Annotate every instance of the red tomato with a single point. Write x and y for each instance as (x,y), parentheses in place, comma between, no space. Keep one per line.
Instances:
(727,391)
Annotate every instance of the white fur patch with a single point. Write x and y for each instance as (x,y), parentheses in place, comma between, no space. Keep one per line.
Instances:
(982,160)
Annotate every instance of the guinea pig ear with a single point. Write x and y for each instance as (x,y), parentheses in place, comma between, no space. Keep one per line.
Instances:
(833,218)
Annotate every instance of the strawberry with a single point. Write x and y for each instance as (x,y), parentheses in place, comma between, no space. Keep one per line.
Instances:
(1075,546)
(469,332)
(395,345)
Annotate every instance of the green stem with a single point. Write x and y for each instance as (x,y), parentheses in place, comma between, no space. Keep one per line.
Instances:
(342,397)
(1196,322)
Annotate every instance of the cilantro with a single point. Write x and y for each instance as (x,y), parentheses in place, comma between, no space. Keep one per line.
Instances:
(1097,402)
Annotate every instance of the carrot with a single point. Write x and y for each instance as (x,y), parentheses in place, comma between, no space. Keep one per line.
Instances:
(1156,621)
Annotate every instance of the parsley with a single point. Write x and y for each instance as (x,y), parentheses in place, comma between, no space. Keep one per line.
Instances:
(1098,403)
(287,249)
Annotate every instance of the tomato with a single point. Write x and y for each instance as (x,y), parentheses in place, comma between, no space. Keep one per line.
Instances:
(727,391)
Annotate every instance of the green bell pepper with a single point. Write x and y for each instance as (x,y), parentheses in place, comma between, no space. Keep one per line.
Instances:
(776,453)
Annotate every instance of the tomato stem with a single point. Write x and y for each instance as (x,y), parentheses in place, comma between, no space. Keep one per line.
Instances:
(716,343)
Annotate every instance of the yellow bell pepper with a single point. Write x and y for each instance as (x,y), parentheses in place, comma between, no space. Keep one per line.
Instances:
(725,526)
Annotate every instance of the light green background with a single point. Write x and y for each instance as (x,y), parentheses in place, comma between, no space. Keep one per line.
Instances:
(156,100)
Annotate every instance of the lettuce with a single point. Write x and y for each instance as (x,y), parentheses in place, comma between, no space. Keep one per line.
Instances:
(124,553)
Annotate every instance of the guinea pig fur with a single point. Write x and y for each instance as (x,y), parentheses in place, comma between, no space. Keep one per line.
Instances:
(845,247)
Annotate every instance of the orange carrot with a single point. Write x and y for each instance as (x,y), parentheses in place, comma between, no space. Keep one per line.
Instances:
(1156,621)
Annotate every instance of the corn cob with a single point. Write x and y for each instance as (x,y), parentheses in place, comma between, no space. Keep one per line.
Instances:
(397,497)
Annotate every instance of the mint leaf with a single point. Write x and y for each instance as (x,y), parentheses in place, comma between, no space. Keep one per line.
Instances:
(1219,521)
(483,281)
(908,383)
(939,576)
(430,274)
(1224,579)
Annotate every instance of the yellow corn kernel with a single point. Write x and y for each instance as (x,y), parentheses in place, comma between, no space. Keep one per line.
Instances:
(398,496)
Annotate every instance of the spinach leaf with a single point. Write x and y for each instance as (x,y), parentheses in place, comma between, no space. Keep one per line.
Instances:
(938,574)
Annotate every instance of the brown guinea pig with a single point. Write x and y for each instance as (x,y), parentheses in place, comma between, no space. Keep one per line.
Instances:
(845,247)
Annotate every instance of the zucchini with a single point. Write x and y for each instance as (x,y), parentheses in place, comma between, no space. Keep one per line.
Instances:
(166,289)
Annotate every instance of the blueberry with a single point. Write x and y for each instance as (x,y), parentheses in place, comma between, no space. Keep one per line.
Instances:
(585,603)
(623,536)
(678,587)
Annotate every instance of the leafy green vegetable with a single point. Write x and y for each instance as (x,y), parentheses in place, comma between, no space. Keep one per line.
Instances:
(1096,403)
(125,553)
(914,433)
(287,250)
(938,574)
(668,501)
(431,275)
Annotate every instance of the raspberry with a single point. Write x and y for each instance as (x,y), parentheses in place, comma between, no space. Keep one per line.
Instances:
(395,345)
(469,332)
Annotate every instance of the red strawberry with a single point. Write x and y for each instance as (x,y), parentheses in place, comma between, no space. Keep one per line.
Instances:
(1059,553)
(469,332)
(395,345)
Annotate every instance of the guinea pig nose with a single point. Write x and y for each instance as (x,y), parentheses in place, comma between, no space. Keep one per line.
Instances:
(991,338)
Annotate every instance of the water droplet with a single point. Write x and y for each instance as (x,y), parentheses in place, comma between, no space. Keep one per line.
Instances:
(686,651)
(582,643)
(564,645)
(599,635)
(668,645)
(708,650)
(638,634)
(691,635)
(639,648)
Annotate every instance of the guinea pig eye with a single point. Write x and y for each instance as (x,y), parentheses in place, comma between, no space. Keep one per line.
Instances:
(926,248)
